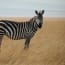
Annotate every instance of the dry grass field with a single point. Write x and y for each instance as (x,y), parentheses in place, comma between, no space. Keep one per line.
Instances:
(47,47)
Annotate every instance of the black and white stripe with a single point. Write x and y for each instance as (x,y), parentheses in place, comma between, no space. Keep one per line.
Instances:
(21,30)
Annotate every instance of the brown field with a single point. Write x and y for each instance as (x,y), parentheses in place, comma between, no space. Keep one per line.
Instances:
(47,47)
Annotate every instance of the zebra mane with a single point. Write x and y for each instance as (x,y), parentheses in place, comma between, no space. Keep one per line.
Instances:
(33,19)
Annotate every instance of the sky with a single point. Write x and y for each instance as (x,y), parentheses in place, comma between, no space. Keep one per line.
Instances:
(53,8)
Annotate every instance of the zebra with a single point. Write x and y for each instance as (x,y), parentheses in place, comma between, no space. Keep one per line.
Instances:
(21,30)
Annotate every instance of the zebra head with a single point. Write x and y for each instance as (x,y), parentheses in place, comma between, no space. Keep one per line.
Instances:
(39,18)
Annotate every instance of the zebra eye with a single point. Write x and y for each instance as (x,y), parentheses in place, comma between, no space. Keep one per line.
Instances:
(38,21)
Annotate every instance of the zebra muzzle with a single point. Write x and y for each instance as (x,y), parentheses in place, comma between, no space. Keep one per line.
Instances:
(40,25)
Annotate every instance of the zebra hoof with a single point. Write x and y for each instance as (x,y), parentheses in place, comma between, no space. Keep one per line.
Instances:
(26,47)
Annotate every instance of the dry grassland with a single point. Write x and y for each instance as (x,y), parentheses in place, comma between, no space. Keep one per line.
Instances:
(47,47)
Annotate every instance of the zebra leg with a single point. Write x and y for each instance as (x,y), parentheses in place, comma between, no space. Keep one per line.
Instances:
(27,43)
(1,36)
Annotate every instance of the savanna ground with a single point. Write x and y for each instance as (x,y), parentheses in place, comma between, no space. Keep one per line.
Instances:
(47,47)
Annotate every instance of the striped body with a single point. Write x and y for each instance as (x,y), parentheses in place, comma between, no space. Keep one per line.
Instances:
(16,31)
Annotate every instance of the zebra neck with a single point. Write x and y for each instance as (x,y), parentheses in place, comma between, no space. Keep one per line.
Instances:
(35,26)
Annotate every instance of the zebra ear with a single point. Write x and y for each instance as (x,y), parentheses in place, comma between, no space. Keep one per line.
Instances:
(36,12)
(42,12)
